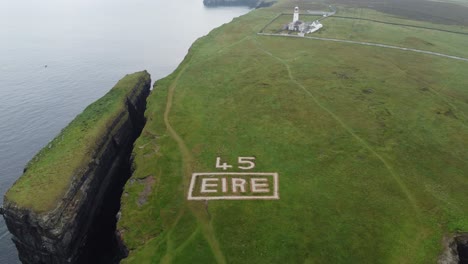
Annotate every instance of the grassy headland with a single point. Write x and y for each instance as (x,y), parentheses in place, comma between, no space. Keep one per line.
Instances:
(370,145)
(49,174)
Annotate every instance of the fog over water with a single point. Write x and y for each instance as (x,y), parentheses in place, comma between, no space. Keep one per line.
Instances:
(57,56)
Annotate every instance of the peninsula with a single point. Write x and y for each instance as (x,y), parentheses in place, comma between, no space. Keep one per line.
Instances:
(367,143)
(57,206)
(344,145)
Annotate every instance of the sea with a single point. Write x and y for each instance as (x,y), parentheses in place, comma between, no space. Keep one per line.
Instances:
(58,56)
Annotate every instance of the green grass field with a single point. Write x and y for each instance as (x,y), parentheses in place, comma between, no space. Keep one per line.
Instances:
(368,31)
(370,144)
(50,172)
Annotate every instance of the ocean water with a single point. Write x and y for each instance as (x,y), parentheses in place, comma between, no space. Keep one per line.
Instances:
(57,56)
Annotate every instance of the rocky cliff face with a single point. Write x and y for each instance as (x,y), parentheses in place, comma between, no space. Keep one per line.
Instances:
(62,235)
(455,249)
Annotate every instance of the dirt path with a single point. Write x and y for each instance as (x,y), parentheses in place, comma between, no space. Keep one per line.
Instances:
(371,44)
(195,207)
(234,44)
(390,169)
(419,237)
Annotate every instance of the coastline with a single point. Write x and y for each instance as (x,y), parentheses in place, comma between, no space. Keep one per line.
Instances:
(54,229)
(42,101)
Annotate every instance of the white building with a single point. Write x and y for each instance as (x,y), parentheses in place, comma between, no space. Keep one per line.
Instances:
(296,24)
(301,26)
(296,14)
(316,25)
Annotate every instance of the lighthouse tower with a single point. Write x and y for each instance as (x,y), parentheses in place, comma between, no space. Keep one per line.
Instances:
(296,14)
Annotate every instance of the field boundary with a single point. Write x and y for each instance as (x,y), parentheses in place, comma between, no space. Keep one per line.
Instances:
(366,19)
(399,24)
(369,44)
(271,21)
(290,14)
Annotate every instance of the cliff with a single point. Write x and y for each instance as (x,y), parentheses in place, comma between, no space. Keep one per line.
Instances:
(366,148)
(58,202)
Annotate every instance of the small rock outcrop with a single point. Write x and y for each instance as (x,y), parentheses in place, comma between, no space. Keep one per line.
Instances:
(455,249)
(61,234)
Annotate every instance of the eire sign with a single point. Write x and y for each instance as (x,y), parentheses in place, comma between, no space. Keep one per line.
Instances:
(234,185)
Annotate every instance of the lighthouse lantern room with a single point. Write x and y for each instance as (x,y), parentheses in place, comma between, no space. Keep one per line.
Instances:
(296,14)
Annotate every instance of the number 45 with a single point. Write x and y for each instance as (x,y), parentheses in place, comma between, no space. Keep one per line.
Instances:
(244,163)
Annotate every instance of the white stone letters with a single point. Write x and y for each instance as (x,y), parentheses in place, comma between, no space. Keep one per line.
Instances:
(244,163)
(259,185)
(233,186)
(238,185)
(224,181)
(246,160)
(205,185)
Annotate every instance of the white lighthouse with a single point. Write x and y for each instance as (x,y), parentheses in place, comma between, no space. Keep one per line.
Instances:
(296,14)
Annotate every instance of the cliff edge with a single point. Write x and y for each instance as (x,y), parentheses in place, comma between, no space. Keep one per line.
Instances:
(365,149)
(52,207)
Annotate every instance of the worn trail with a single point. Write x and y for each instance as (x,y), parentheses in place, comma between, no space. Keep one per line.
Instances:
(195,207)
(390,169)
